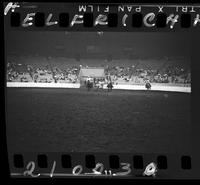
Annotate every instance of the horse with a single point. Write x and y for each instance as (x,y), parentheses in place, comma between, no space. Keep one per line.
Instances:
(110,86)
(148,86)
(89,85)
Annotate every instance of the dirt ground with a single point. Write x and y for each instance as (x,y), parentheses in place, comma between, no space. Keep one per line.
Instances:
(74,120)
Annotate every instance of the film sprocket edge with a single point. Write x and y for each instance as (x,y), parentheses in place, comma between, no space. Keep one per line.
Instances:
(101,90)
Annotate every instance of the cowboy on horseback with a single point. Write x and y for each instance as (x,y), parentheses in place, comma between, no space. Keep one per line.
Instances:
(89,83)
(110,86)
(148,85)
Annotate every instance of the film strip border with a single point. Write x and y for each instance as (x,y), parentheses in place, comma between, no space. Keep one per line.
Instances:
(112,17)
(115,18)
(73,165)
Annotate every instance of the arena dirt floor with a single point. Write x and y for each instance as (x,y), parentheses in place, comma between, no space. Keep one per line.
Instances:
(75,120)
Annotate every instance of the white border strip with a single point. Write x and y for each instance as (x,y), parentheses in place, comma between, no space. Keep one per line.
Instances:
(77,85)
(43,85)
(154,88)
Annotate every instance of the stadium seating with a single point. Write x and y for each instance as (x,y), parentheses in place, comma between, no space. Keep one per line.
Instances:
(46,69)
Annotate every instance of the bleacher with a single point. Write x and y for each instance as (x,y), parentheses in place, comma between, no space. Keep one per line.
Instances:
(65,70)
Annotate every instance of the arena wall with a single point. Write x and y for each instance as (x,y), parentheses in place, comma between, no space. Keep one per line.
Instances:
(45,85)
(155,88)
(77,85)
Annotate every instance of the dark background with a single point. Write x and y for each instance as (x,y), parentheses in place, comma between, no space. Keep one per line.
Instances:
(119,45)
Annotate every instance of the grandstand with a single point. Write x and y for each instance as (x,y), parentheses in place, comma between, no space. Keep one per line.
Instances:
(40,69)
(127,58)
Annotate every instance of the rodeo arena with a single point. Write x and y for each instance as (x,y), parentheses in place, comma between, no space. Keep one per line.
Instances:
(164,75)
(81,92)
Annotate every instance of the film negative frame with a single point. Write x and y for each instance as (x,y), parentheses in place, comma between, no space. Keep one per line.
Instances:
(113,165)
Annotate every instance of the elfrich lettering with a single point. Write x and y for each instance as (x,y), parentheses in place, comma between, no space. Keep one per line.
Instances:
(101,19)
(149,20)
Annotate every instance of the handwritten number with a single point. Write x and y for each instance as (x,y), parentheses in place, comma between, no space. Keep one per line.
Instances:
(150,170)
(78,168)
(30,168)
(125,166)
(53,169)
(100,167)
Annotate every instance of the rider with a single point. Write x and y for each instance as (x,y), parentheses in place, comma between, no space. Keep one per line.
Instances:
(89,83)
(148,85)
(110,85)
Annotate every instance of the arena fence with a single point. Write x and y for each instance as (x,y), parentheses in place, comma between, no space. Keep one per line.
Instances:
(154,88)
(77,85)
(45,85)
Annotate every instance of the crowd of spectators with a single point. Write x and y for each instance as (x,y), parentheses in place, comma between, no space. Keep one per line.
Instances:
(45,74)
(68,75)
(169,74)
(17,72)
